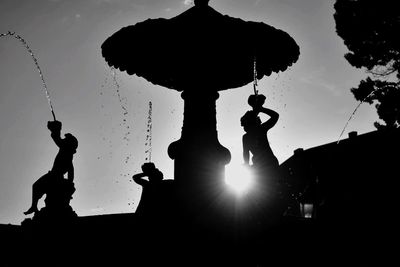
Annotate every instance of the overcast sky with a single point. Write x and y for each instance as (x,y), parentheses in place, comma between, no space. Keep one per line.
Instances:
(312,97)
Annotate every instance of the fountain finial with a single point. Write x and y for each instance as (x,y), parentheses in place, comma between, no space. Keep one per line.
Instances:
(201,2)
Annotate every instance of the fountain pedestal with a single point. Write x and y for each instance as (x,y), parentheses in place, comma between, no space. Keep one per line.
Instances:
(218,56)
(57,210)
(199,157)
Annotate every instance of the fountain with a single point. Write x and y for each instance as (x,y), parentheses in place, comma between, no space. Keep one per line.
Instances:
(199,53)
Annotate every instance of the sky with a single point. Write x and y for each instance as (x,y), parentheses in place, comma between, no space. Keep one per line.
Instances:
(108,112)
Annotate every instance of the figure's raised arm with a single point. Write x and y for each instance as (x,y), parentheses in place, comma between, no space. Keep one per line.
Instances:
(55,129)
(138,178)
(274,116)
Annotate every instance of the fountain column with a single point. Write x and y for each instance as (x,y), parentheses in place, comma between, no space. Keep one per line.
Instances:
(198,156)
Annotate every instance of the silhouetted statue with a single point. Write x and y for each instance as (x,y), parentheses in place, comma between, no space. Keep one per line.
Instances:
(271,193)
(58,190)
(255,140)
(156,196)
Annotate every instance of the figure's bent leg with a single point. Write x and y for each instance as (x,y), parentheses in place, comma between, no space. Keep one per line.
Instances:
(38,190)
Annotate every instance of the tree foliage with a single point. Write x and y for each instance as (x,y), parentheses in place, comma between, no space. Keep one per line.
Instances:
(370,30)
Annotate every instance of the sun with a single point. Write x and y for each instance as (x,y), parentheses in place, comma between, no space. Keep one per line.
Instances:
(238,177)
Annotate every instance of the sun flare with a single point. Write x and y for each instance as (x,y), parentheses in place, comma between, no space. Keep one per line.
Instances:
(239,178)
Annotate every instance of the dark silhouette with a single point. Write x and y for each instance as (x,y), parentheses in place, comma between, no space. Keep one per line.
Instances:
(157,194)
(151,188)
(353,190)
(197,240)
(269,194)
(375,48)
(59,190)
(219,57)
(255,139)
(201,3)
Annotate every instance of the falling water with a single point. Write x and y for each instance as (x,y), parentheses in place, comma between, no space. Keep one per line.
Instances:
(122,102)
(102,128)
(24,43)
(114,75)
(352,114)
(255,81)
(149,135)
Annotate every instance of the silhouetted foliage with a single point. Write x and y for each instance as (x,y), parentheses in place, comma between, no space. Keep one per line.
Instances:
(370,31)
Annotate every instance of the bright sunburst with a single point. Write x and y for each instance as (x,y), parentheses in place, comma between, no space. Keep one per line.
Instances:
(239,178)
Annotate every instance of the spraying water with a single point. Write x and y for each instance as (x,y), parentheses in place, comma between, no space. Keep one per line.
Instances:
(120,98)
(352,115)
(24,43)
(149,133)
(122,101)
(255,80)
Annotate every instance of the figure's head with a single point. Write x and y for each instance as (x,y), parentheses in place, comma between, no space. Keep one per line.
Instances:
(148,167)
(156,175)
(256,101)
(152,172)
(71,142)
(250,120)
